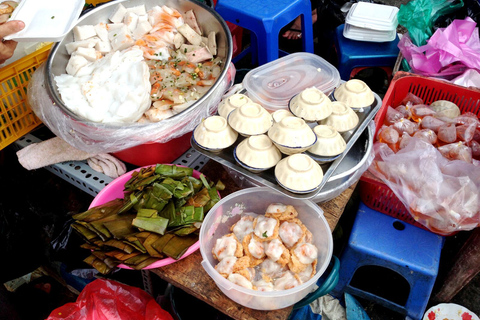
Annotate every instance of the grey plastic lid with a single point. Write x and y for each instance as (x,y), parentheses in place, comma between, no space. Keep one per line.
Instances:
(273,84)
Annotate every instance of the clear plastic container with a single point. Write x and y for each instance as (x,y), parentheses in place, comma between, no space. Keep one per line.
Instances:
(273,84)
(228,211)
(373,16)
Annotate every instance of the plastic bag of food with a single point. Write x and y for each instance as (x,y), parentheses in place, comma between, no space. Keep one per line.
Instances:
(441,194)
(107,138)
(418,16)
(111,300)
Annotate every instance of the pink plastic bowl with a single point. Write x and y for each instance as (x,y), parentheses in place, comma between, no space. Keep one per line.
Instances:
(114,190)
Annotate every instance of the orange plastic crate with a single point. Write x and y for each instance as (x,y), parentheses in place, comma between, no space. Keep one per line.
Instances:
(16,116)
(373,192)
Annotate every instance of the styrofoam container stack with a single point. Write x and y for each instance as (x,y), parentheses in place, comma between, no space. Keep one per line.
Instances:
(371,22)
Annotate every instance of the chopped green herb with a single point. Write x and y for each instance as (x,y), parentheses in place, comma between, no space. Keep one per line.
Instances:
(265,234)
(53,17)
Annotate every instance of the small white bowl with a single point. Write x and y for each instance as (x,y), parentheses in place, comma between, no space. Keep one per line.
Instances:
(329,142)
(311,105)
(231,103)
(354,93)
(299,173)
(292,135)
(250,119)
(280,114)
(343,118)
(257,153)
(214,134)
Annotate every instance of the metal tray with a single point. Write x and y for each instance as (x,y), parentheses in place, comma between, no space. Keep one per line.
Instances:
(267,178)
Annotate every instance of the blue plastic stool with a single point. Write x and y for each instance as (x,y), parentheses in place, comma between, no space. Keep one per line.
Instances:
(382,245)
(354,54)
(265,19)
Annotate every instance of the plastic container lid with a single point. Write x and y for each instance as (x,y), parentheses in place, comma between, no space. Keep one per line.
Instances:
(273,84)
(373,16)
(363,34)
(46,20)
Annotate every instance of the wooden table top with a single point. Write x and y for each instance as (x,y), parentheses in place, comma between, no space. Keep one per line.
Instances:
(188,274)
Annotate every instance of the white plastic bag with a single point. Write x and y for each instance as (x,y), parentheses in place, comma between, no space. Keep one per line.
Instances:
(441,194)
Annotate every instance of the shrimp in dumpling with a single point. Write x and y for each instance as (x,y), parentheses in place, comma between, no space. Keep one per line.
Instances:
(243,227)
(263,285)
(253,249)
(291,232)
(277,252)
(225,266)
(227,246)
(281,212)
(240,280)
(302,255)
(308,272)
(289,280)
(248,273)
(269,270)
(265,229)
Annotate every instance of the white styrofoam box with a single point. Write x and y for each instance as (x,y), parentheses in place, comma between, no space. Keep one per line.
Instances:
(363,34)
(373,16)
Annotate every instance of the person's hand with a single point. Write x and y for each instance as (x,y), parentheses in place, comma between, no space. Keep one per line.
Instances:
(7,47)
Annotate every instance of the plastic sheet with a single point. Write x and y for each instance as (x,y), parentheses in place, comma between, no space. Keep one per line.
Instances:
(418,16)
(440,194)
(110,300)
(449,52)
(470,78)
(107,138)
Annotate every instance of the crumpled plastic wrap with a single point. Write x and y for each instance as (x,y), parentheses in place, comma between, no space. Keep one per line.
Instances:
(418,16)
(440,194)
(107,138)
(111,300)
(470,78)
(448,53)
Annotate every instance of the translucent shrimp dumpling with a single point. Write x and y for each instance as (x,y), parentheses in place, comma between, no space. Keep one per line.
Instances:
(243,226)
(265,228)
(302,255)
(289,280)
(276,251)
(240,280)
(225,266)
(227,246)
(281,212)
(291,232)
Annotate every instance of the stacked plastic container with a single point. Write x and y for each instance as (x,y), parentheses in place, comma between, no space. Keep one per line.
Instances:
(371,22)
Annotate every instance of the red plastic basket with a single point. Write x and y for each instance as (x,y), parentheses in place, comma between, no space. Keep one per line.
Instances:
(373,192)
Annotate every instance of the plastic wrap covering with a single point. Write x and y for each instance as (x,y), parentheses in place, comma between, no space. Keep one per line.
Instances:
(440,194)
(106,138)
(111,300)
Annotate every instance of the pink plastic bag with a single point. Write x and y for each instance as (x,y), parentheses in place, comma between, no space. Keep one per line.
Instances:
(111,300)
(441,194)
(448,53)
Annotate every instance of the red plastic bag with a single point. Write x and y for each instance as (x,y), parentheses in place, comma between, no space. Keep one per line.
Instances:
(111,300)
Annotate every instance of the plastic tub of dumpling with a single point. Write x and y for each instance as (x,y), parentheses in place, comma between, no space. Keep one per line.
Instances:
(258,287)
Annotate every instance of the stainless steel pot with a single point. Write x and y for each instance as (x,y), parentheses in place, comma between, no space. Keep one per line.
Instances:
(207,18)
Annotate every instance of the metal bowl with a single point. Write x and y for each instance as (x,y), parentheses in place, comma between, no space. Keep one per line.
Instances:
(207,18)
